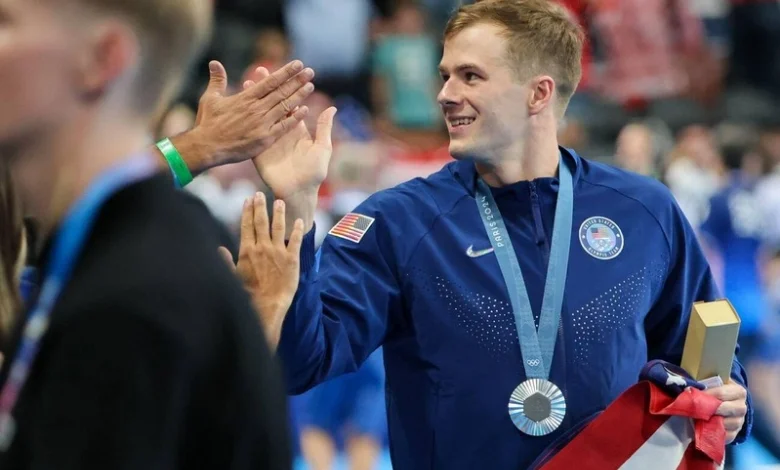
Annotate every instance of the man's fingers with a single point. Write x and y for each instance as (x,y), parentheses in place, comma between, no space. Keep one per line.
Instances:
(289,122)
(248,84)
(296,238)
(217,79)
(728,392)
(248,238)
(227,256)
(261,218)
(733,424)
(278,224)
(281,76)
(732,409)
(325,127)
(284,100)
(261,73)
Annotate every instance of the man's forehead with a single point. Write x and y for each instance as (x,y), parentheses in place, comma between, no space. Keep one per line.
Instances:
(481,44)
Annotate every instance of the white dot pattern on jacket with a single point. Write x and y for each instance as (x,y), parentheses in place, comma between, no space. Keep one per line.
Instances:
(618,307)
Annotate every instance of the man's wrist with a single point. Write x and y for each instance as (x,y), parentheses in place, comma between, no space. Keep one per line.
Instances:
(193,149)
(302,206)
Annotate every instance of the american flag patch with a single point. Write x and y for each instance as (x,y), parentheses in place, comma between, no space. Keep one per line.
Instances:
(352,227)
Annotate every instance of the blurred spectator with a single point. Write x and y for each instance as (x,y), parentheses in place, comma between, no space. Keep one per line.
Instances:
(769,188)
(334,41)
(764,369)
(653,49)
(272,51)
(224,189)
(345,413)
(405,72)
(733,232)
(638,149)
(179,118)
(694,172)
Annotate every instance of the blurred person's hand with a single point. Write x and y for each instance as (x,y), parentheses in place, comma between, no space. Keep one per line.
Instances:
(234,128)
(268,267)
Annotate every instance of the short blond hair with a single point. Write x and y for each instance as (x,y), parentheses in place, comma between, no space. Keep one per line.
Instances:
(542,38)
(172,34)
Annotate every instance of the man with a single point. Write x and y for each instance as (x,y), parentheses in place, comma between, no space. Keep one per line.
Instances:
(424,269)
(142,350)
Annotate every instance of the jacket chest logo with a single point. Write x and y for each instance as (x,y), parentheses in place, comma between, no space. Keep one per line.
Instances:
(601,238)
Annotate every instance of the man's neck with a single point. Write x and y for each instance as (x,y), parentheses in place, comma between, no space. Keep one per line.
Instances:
(54,172)
(525,161)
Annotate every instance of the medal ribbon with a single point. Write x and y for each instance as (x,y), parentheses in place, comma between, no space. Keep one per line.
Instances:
(67,246)
(537,347)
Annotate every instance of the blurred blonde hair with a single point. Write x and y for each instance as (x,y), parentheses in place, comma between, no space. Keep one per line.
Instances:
(12,250)
(171,34)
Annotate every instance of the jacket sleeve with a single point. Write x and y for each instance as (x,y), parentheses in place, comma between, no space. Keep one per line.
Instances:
(689,279)
(348,299)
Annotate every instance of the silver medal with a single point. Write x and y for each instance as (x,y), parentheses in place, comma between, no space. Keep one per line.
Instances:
(537,407)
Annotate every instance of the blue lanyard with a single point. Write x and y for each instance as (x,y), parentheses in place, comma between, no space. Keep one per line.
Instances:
(66,249)
(537,347)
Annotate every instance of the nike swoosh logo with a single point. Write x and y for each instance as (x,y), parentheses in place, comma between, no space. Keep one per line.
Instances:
(476,254)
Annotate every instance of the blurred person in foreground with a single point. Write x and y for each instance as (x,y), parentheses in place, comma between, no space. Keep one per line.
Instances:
(13,253)
(142,350)
(448,274)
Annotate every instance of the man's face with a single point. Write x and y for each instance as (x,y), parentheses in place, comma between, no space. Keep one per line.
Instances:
(484,104)
(37,66)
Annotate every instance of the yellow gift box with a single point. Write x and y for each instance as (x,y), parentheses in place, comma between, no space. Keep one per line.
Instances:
(711,339)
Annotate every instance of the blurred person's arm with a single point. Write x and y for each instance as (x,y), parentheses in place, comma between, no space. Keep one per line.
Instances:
(230,129)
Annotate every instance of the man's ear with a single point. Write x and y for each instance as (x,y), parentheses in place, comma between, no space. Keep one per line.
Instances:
(541,94)
(112,51)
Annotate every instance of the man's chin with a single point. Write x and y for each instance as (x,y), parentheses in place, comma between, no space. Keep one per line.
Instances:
(459,150)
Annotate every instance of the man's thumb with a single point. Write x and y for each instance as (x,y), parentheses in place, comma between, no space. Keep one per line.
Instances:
(324,130)
(217,78)
(227,256)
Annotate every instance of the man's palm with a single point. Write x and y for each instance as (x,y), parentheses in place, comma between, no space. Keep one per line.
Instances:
(297,162)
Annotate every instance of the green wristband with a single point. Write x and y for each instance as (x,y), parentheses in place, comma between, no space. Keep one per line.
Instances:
(180,171)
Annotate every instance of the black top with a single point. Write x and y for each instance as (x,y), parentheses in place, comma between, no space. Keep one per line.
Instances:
(154,358)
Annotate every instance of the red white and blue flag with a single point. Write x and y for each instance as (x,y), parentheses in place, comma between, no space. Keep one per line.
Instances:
(352,227)
(648,427)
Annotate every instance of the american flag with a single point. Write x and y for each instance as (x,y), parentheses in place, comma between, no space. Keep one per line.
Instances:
(647,427)
(352,227)
(599,233)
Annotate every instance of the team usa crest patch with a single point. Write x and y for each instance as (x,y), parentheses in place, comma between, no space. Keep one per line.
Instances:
(352,227)
(601,238)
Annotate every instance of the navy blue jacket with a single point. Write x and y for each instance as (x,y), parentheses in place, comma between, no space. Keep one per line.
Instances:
(451,351)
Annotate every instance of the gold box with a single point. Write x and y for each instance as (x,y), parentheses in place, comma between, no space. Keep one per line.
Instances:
(711,340)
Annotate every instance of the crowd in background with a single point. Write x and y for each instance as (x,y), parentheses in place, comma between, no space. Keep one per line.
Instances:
(685,91)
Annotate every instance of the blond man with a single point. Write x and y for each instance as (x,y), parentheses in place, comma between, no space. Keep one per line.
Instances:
(517,292)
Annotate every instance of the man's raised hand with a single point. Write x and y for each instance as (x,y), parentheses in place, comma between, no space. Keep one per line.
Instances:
(234,128)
